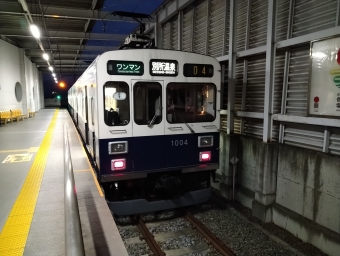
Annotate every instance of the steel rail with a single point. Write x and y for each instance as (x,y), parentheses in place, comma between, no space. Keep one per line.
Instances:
(149,239)
(74,244)
(207,234)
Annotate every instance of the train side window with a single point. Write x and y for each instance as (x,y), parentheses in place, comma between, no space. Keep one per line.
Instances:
(116,104)
(147,103)
(92,110)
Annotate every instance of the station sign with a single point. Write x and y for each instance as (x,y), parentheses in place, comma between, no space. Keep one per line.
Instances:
(163,67)
(324,85)
(121,67)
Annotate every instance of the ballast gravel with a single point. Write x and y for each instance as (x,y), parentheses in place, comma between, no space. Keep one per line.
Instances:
(240,235)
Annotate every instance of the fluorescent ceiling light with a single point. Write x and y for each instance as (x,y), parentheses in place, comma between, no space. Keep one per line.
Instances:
(45,56)
(53,74)
(50,68)
(35,31)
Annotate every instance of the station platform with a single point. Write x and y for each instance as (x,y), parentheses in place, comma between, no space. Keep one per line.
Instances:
(32,190)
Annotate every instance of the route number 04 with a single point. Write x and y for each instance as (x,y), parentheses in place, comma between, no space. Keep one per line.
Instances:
(177,143)
(196,70)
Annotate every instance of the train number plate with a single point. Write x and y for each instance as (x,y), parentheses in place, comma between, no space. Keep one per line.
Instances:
(177,143)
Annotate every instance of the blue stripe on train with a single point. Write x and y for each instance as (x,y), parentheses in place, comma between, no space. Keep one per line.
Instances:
(158,152)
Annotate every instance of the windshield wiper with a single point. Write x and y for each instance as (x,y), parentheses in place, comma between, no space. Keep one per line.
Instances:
(192,131)
(154,117)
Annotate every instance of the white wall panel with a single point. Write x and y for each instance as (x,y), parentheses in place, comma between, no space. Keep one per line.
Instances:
(297,90)
(313,15)
(334,141)
(278,81)
(200,34)
(187,29)
(255,83)
(258,23)
(216,28)
(10,74)
(282,19)
(16,67)
(174,33)
(241,24)
(166,35)
(305,136)
(238,93)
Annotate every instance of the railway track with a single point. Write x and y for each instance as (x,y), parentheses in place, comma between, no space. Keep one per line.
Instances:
(210,244)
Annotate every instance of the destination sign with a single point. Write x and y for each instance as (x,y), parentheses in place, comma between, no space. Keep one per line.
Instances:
(163,67)
(121,67)
(198,70)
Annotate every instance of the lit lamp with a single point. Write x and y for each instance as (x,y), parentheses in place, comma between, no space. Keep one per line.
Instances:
(45,56)
(35,31)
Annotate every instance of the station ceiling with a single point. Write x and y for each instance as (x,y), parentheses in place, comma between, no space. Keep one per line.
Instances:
(73,32)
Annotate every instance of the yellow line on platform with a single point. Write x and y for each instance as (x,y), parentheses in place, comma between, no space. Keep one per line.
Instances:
(88,162)
(15,231)
(13,150)
(33,149)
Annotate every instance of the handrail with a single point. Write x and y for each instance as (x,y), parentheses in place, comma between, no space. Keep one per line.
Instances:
(74,244)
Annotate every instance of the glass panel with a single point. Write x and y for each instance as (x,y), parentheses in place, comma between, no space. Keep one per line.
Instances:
(92,111)
(147,103)
(190,103)
(116,107)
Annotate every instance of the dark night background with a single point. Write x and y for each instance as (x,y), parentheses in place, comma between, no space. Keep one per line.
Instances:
(138,6)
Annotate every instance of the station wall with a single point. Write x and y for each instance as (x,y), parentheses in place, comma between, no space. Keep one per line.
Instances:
(288,169)
(20,81)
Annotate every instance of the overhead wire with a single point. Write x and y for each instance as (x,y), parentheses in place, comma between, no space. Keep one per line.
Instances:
(123,19)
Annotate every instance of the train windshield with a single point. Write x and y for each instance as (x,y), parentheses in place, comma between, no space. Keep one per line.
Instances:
(147,103)
(116,104)
(190,103)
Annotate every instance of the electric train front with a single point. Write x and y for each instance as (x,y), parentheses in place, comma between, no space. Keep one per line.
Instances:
(162,140)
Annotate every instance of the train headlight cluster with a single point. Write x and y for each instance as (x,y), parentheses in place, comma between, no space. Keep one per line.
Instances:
(118,164)
(205,156)
(205,141)
(118,147)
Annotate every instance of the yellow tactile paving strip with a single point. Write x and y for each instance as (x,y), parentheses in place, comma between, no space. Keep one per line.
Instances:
(15,231)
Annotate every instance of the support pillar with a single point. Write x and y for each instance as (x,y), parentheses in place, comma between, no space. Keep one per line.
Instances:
(265,192)
(25,90)
(229,149)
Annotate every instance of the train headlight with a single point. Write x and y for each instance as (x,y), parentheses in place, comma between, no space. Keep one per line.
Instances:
(205,156)
(205,141)
(118,164)
(118,147)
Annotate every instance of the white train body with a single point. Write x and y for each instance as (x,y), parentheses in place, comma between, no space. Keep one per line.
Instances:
(147,114)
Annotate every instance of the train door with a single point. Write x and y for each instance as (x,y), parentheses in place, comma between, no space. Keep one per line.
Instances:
(86,115)
(91,120)
(148,125)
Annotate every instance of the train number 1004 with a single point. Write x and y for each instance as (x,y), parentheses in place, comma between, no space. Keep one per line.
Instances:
(176,143)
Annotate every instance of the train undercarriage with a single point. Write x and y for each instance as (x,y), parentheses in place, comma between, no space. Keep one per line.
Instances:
(159,191)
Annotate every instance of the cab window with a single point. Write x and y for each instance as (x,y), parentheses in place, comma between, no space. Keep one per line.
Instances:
(116,104)
(190,103)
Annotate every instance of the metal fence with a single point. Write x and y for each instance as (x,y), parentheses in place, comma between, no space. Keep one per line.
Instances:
(74,245)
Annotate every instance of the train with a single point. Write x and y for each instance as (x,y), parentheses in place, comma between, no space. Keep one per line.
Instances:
(150,122)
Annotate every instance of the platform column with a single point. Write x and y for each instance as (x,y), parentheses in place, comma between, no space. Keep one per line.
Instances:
(265,189)
(224,177)
(25,96)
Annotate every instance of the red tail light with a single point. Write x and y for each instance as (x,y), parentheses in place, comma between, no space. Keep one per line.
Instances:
(205,156)
(118,164)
